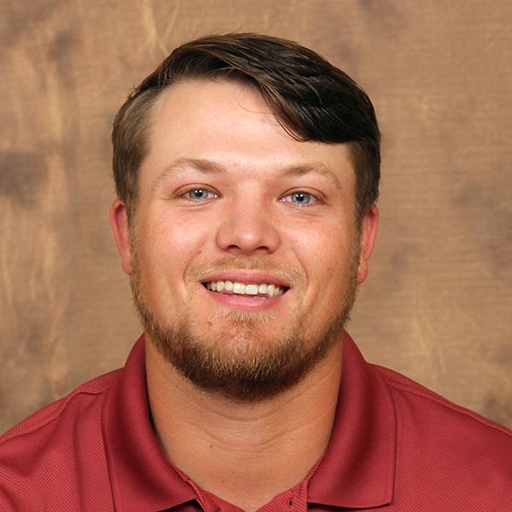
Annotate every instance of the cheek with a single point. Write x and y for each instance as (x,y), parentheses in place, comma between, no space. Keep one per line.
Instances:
(326,251)
(169,244)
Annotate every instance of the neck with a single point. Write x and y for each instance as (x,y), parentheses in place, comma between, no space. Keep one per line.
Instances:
(272,444)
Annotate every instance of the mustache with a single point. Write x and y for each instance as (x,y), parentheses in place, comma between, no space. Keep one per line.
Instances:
(292,275)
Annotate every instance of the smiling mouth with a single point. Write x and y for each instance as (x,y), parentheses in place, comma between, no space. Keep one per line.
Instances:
(253,289)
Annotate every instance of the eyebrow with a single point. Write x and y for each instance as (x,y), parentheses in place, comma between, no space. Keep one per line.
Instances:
(206,167)
(313,168)
(181,165)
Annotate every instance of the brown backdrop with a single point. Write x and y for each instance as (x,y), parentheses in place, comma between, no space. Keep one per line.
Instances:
(438,303)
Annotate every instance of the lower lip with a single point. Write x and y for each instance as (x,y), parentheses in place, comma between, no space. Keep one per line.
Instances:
(245,301)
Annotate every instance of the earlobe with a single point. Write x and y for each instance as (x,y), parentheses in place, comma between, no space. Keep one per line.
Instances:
(119,222)
(369,229)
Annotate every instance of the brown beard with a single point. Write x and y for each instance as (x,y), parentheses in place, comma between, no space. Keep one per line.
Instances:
(254,375)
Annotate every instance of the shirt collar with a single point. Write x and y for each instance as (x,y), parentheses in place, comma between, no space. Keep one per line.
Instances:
(141,476)
(358,468)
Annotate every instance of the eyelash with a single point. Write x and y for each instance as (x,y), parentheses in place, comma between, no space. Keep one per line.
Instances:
(312,198)
(187,193)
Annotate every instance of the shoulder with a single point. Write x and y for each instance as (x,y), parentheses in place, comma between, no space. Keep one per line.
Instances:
(416,401)
(83,397)
(52,445)
(455,453)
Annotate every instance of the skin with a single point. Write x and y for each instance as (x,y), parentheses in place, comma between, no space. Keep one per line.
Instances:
(233,196)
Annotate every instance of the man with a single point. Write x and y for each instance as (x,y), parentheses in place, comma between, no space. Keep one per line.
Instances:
(247,173)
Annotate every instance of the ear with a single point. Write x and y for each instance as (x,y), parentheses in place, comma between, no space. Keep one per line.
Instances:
(369,228)
(119,223)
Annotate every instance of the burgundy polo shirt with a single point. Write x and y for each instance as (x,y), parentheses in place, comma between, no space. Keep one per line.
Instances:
(395,445)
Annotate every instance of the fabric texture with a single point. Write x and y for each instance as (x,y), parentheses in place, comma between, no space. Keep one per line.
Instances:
(395,445)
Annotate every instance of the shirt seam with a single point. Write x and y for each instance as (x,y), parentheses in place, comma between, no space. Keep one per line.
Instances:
(438,399)
(59,405)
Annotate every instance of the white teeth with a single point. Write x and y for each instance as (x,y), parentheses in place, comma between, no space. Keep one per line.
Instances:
(251,289)
(239,288)
(245,289)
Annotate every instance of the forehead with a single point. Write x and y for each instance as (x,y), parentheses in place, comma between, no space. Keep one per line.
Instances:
(207,107)
(229,123)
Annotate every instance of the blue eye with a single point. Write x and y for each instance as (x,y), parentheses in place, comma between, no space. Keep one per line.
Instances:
(299,198)
(200,194)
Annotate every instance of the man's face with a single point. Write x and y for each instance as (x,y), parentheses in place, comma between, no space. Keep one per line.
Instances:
(244,254)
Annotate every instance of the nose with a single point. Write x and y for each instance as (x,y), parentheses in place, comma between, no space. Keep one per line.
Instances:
(248,228)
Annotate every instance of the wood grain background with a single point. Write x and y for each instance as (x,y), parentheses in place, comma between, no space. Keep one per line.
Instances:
(438,303)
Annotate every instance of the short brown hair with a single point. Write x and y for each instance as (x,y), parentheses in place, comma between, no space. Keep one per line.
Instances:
(311,99)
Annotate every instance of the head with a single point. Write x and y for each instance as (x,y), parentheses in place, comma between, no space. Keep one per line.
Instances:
(312,99)
(249,164)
